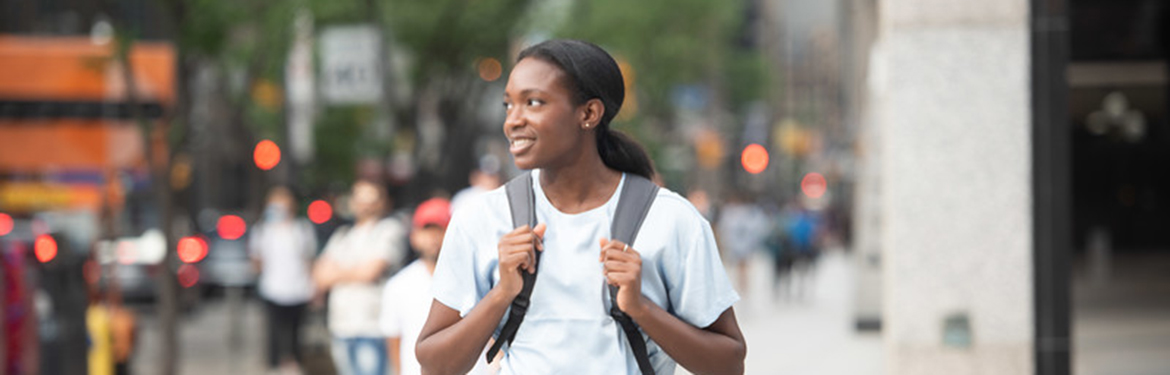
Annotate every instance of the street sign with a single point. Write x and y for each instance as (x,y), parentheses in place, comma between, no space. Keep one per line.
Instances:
(350,66)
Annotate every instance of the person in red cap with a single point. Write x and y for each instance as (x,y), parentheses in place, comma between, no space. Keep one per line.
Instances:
(406,298)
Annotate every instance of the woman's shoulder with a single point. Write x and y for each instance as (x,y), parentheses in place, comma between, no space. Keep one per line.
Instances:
(670,205)
(481,208)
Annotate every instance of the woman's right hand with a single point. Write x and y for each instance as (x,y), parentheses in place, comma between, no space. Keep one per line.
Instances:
(518,254)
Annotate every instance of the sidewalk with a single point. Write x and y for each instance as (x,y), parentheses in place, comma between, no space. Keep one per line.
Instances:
(217,338)
(808,334)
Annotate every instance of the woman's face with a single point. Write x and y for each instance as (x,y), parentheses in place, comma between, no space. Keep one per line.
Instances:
(543,126)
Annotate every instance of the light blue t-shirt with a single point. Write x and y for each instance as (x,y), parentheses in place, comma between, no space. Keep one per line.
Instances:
(567,329)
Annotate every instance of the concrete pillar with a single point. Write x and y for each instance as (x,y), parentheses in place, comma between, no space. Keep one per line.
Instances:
(951,103)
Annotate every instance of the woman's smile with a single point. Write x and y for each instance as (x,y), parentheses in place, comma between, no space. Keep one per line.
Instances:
(520,144)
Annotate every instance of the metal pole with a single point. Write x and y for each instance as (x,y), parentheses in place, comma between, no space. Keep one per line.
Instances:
(1051,159)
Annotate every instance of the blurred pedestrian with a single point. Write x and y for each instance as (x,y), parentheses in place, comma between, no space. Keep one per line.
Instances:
(21,354)
(124,327)
(484,178)
(804,229)
(282,248)
(743,228)
(98,330)
(407,297)
(352,269)
(670,287)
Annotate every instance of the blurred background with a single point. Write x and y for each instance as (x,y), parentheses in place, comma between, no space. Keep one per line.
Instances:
(899,186)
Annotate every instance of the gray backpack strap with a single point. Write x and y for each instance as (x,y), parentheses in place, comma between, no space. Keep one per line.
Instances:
(638,194)
(522,201)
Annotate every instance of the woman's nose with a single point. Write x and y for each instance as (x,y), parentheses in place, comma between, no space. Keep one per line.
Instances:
(514,118)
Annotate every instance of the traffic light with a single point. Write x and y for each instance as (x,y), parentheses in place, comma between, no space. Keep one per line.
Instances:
(754,158)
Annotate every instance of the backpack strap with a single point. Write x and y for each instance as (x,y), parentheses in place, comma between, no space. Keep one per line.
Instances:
(638,194)
(522,201)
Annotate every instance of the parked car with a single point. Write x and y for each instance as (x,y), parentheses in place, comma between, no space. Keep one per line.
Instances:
(227,263)
(135,262)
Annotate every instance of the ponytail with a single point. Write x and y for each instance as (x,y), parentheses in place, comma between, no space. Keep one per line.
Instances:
(622,153)
(593,73)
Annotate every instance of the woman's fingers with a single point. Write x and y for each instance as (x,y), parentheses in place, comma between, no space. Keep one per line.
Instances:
(608,245)
(621,264)
(620,278)
(524,240)
(519,259)
(523,252)
(612,266)
(623,256)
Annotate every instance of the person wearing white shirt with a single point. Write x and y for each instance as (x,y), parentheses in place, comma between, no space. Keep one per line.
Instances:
(282,249)
(353,268)
(406,299)
(559,100)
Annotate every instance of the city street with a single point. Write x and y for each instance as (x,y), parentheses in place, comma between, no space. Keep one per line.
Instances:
(803,334)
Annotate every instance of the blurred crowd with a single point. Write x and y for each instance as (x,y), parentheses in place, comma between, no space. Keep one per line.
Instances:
(367,275)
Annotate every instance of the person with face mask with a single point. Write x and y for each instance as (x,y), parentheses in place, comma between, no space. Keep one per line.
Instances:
(282,248)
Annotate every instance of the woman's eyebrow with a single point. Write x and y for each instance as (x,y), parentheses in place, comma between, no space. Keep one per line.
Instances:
(526,92)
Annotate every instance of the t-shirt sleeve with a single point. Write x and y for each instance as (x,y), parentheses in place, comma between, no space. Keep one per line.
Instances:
(458,283)
(389,320)
(701,290)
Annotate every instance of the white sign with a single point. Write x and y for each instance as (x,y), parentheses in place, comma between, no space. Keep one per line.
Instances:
(350,65)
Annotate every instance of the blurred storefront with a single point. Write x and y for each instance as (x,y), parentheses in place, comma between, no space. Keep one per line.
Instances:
(68,137)
(1011,189)
(73,170)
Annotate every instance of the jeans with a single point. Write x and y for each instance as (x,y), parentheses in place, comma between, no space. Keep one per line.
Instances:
(359,355)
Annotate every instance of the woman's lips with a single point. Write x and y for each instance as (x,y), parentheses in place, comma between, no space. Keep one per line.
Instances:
(519,145)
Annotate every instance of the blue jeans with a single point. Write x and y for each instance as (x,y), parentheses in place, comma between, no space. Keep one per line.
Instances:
(359,355)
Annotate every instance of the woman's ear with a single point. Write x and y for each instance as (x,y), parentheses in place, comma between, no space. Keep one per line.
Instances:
(591,113)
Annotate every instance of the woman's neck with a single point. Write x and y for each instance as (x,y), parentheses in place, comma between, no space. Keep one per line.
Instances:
(581,186)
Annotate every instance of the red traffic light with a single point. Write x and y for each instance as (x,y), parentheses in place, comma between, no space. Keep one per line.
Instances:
(192,249)
(230,227)
(5,224)
(266,155)
(813,185)
(45,248)
(754,158)
(320,211)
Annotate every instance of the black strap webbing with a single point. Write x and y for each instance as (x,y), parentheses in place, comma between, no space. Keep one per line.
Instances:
(636,197)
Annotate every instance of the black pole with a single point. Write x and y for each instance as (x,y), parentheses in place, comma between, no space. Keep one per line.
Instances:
(1051,159)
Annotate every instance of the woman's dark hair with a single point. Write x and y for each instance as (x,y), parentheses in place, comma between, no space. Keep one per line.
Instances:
(591,73)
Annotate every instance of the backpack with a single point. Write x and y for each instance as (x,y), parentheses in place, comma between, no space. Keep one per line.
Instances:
(636,196)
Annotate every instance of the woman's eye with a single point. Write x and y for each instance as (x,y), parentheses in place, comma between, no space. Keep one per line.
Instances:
(507,106)
(535,102)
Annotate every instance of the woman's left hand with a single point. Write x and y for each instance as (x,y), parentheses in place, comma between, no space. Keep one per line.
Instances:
(623,267)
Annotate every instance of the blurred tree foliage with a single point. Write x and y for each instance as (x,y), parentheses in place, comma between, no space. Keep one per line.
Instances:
(670,43)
